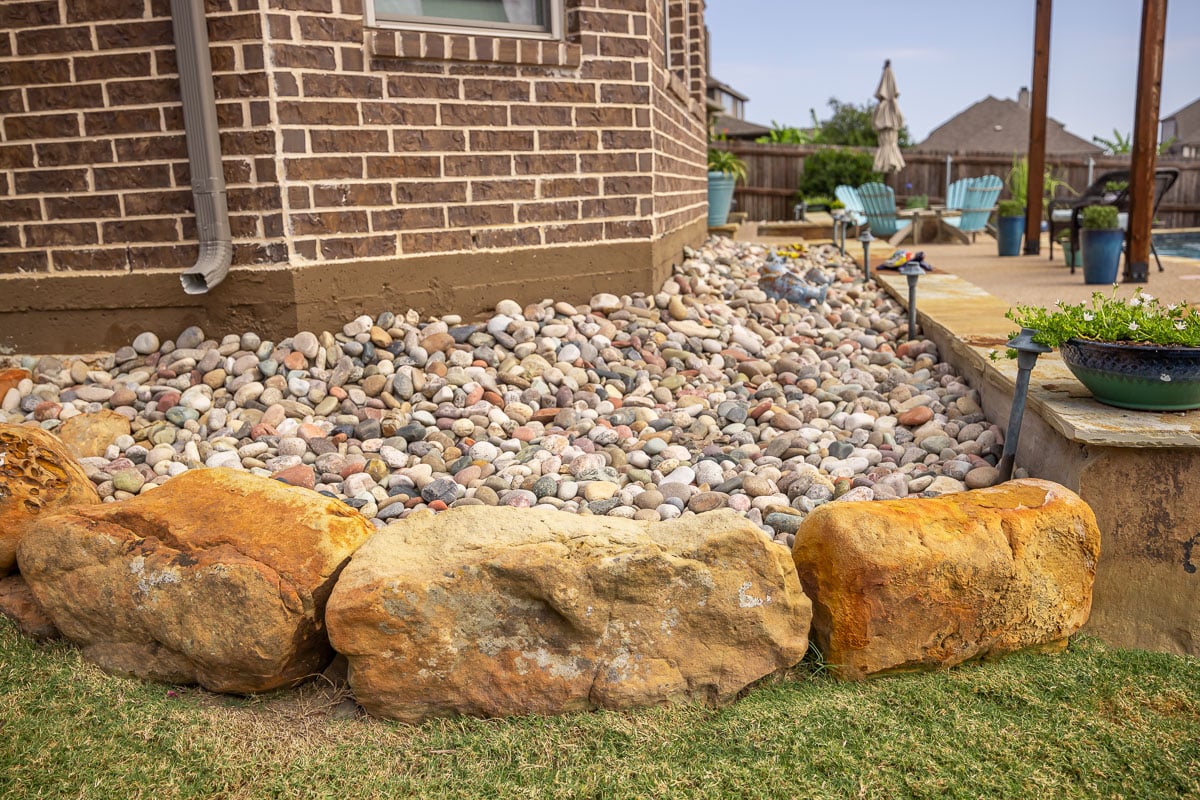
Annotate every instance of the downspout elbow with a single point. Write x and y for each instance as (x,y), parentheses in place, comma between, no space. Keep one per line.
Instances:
(216,243)
(203,138)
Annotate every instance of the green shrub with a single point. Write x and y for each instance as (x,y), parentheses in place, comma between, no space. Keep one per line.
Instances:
(816,200)
(1012,208)
(917,201)
(726,162)
(825,170)
(1099,218)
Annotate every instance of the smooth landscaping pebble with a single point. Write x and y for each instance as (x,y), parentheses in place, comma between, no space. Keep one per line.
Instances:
(708,394)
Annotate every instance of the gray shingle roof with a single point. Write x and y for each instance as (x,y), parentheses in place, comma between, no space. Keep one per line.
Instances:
(1000,126)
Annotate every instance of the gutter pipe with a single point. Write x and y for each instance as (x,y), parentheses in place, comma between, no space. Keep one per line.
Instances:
(203,147)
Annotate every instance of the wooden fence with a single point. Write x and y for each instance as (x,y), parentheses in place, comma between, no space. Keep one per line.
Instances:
(773,173)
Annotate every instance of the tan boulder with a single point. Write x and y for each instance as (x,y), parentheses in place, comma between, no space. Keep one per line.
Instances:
(37,476)
(930,583)
(218,577)
(499,611)
(89,435)
(18,604)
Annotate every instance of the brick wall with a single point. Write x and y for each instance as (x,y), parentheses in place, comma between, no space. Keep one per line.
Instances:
(91,139)
(343,143)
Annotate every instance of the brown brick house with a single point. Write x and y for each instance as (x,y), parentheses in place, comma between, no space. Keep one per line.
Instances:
(375,153)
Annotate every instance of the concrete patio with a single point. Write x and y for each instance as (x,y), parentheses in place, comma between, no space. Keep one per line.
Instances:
(1024,280)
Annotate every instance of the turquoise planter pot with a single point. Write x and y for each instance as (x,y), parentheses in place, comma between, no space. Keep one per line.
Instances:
(1073,258)
(1009,233)
(1101,254)
(720,197)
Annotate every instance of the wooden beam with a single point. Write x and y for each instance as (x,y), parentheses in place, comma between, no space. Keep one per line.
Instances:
(1037,129)
(1145,140)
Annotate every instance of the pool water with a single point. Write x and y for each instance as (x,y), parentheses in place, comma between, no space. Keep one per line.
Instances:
(1185,244)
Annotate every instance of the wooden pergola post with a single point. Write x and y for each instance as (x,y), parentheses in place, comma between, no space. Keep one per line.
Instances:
(1037,129)
(1145,140)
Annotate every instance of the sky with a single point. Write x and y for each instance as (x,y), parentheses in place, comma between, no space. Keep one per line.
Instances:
(792,55)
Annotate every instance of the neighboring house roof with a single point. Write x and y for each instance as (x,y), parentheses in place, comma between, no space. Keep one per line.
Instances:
(1000,126)
(714,84)
(735,128)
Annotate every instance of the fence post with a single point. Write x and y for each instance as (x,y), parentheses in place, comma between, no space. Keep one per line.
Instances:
(949,164)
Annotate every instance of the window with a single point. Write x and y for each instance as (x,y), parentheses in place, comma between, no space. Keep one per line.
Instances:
(512,17)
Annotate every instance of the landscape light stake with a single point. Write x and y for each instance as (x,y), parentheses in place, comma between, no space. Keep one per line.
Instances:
(866,238)
(912,271)
(1027,355)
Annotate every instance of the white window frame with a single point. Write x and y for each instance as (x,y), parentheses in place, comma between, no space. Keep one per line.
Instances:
(666,43)
(466,27)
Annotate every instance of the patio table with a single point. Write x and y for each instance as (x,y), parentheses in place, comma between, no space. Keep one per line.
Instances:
(920,215)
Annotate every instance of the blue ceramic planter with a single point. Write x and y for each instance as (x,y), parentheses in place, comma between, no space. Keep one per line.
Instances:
(1101,254)
(1009,232)
(720,197)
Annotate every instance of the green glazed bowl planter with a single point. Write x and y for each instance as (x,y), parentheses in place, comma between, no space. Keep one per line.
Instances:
(1142,377)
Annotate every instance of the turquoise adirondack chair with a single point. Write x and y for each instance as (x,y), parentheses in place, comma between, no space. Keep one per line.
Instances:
(978,200)
(879,203)
(853,203)
(956,195)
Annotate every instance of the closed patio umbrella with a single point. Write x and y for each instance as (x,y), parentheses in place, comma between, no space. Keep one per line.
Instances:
(888,121)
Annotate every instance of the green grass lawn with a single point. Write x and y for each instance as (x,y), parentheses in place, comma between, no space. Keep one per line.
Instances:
(1092,722)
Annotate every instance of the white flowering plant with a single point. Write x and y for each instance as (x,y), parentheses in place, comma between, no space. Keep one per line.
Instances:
(1141,319)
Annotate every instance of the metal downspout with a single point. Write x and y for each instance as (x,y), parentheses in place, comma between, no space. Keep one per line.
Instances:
(203,147)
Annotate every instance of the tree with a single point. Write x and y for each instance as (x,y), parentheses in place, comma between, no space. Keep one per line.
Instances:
(1123,145)
(1118,145)
(786,134)
(851,125)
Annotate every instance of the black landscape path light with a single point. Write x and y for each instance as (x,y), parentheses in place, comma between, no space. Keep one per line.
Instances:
(1027,355)
(866,238)
(912,271)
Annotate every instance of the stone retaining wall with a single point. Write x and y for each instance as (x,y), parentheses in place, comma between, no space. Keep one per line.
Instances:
(1138,470)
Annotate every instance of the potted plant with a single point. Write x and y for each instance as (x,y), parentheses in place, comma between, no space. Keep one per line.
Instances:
(1131,353)
(1010,227)
(1073,256)
(1100,242)
(724,171)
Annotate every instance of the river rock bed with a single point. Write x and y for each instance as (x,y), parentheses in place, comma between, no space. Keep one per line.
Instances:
(708,394)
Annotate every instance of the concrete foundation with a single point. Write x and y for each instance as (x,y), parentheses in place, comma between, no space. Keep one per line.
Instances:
(85,312)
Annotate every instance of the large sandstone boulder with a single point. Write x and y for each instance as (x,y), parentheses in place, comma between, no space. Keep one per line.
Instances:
(499,611)
(929,583)
(18,604)
(219,577)
(37,476)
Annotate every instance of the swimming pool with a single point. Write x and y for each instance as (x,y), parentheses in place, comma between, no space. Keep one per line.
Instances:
(1182,244)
